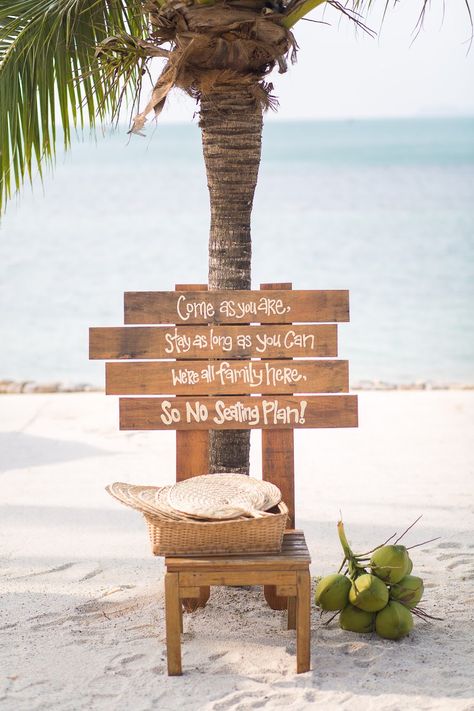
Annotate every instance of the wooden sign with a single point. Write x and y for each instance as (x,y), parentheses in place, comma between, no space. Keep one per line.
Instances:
(227,377)
(309,340)
(238,413)
(215,307)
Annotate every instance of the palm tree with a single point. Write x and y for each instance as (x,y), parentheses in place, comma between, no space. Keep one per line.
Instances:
(76,62)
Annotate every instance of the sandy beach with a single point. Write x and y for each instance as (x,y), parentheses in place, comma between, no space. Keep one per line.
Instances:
(82,619)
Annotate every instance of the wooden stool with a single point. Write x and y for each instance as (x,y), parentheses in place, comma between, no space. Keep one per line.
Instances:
(288,571)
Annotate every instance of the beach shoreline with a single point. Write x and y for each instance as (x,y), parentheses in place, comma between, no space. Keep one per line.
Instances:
(29,387)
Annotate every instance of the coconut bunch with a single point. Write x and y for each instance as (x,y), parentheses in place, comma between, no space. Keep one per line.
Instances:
(374,591)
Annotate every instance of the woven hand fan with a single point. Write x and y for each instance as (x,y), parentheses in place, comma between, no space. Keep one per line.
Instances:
(146,499)
(223,496)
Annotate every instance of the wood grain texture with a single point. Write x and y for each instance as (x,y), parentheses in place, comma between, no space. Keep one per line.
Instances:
(192,456)
(273,601)
(278,465)
(192,342)
(173,624)
(252,575)
(221,307)
(303,622)
(227,377)
(285,590)
(291,607)
(229,413)
(192,453)
(191,604)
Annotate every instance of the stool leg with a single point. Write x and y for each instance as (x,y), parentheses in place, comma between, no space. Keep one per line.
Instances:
(303,621)
(292,613)
(191,604)
(173,624)
(273,601)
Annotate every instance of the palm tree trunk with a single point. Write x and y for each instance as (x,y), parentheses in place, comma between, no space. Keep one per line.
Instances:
(231,124)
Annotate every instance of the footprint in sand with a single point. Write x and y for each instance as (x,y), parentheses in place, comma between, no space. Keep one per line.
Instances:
(48,620)
(57,569)
(8,626)
(215,657)
(92,574)
(450,556)
(457,563)
(244,700)
(124,666)
(361,653)
(354,647)
(449,544)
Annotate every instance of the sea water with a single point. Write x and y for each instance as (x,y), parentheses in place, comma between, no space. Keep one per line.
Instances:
(383,208)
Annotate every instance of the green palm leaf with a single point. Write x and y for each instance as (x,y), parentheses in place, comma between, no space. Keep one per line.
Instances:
(49,75)
(356,10)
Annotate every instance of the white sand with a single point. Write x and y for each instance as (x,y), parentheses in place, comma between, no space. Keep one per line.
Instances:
(82,623)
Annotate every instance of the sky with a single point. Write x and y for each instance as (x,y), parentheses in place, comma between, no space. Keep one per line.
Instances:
(342,73)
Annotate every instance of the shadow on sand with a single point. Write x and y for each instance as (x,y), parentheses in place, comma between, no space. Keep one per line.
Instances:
(24,451)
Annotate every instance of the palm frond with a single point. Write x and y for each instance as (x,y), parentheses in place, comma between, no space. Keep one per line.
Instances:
(50,74)
(357,10)
(363,6)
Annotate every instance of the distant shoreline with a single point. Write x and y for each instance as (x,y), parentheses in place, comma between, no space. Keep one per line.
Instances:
(28,387)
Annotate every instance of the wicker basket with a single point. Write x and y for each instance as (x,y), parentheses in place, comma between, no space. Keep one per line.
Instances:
(190,538)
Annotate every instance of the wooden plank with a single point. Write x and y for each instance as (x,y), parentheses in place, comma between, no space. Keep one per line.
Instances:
(192,453)
(251,575)
(191,342)
(227,377)
(291,607)
(285,590)
(278,466)
(303,622)
(273,601)
(173,624)
(238,413)
(189,592)
(214,307)
(192,458)
(191,604)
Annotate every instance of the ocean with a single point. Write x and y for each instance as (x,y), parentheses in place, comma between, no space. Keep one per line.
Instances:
(384,208)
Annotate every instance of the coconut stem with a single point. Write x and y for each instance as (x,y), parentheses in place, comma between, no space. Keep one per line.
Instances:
(377,547)
(331,618)
(344,542)
(354,568)
(406,530)
(423,615)
(342,565)
(417,545)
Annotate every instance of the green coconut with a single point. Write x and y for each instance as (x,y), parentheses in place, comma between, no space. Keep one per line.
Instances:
(408,591)
(394,621)
(353,619)
(410,566)
(368,593)
(390,563)
(332,592)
